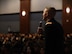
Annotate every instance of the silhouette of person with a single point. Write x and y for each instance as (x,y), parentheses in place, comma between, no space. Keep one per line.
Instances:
(53,32)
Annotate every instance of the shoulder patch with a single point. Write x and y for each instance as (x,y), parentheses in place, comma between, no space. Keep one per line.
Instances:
(48,23)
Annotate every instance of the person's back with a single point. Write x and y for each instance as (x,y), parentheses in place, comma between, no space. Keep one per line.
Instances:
(54,37)
(53,32)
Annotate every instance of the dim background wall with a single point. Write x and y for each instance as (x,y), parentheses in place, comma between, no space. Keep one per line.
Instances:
(13,21)
(10,9)
(9,20)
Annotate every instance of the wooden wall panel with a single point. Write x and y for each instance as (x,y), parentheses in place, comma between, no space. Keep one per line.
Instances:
(25,20)
(67,17)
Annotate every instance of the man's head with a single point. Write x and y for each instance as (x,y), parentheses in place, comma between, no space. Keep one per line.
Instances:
(49,13)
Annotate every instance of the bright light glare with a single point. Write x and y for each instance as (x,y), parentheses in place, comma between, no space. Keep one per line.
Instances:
(23,13)
(68,10)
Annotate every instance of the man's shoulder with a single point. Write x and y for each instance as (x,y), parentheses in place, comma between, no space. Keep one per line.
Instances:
(48,23)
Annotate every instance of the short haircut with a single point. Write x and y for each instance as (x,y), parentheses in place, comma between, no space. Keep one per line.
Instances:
(51,10)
